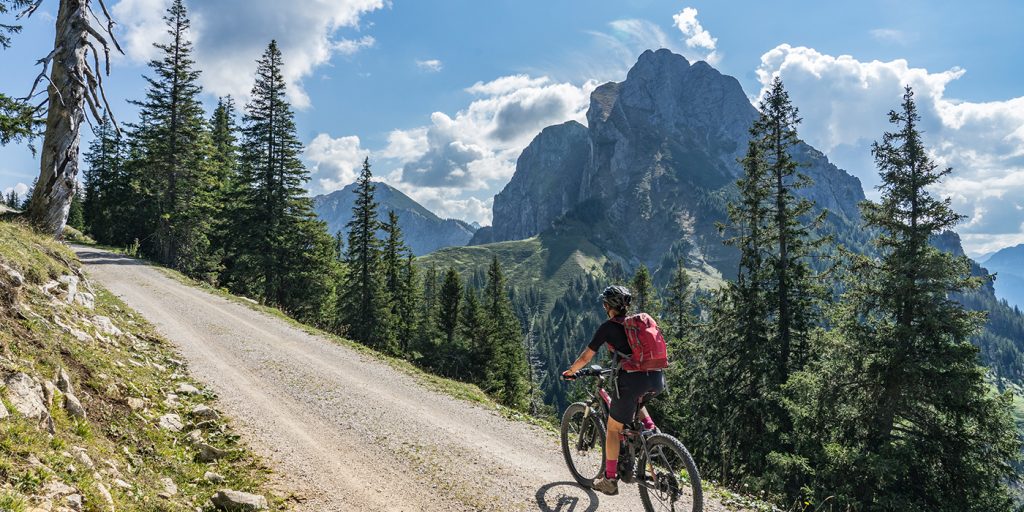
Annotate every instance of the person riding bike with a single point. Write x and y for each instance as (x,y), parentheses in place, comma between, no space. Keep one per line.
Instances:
(633,388)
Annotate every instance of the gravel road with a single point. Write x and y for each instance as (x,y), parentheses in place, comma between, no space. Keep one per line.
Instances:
(342,430)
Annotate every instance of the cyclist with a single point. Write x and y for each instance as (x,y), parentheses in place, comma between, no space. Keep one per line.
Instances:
(633,388)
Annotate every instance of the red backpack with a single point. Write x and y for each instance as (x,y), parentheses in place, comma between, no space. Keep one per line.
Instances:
(646,341)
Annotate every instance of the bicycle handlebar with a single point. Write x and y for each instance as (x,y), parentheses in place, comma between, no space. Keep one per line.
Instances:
(592,371)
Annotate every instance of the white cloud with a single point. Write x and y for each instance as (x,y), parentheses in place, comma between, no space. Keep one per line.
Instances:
(890,35)
(430,65)
(698,39)
(229,35)
(844,103)
(351,46)
(334,162)
(406,145)
(19,189)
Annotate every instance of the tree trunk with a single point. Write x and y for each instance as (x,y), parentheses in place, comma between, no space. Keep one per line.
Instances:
(58,171)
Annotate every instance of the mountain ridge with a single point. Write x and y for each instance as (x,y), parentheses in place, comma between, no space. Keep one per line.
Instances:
(424,230)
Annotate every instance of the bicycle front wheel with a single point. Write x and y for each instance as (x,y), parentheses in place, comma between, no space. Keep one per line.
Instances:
(583,443)
(670,481)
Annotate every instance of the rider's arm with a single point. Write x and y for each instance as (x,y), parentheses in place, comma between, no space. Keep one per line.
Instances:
(581,361)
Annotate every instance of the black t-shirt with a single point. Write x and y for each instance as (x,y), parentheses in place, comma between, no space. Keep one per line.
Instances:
(612,333)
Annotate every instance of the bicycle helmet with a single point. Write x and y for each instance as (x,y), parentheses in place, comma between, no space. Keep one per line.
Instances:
(617,298)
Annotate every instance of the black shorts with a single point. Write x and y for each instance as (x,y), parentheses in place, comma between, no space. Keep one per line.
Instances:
(634,390)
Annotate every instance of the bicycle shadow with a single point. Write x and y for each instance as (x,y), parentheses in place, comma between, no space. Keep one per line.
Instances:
(566,497)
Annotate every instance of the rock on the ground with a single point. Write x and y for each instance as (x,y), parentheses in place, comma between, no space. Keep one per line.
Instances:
(106,495)
(74,501)
(70,283)
(209,453)
(64,381)
(86,300)
(238,501)
(73,406)
(3,411)
(25,395)
(195,437)
(213,478)
(48,392)
(203,412)
(106,325)
(186,389)
(58,488)
(16,279)
(83,458)
(136,404)
(169,488)
(171,422)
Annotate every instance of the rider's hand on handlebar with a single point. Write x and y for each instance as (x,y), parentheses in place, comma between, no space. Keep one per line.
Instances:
(568,376)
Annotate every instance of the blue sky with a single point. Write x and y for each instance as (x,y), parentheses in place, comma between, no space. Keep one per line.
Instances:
(443,95)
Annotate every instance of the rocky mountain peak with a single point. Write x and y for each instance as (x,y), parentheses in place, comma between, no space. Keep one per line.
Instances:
(654,164)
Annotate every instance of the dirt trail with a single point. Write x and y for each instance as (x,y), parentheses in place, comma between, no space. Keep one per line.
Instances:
(341,429)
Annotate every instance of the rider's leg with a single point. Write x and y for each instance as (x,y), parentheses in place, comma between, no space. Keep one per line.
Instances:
(611,448)
(645,419)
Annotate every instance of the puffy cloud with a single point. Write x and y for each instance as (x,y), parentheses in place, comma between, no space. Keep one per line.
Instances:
(406,145)
(20,189)
(477,147)
(889,35)
(334,162)
(844,103)
(450,203)
(229,36)
(697,37)
(430,65)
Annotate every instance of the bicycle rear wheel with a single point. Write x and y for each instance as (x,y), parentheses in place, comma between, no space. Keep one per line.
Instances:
(582,443)
(671,482)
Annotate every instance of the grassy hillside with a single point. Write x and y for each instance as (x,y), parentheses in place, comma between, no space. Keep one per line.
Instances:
(549,263)
(140,443)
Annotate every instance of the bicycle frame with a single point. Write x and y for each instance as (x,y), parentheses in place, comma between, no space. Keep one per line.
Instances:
(633,442)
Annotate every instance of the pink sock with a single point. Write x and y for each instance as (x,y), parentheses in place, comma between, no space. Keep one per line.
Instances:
(648,423)
(611,468)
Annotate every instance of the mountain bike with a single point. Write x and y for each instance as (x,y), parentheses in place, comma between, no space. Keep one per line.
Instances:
(658,463)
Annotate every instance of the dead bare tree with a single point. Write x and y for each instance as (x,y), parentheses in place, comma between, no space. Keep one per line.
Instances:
(74,84)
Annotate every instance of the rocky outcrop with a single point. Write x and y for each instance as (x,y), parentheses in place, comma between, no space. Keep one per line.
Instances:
(652,167)
(238,501)
(423,231)
(545,185)
(25,396)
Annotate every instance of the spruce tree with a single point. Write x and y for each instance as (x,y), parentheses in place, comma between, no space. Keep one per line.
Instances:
(897,414)
(449,299)
(175,150)
(678,310)
(392,260)
(473,329)
(365,306)
(761,325)
(506,368)
(284,252)
(408,310)
(645,298)
(107,190)
(224,168)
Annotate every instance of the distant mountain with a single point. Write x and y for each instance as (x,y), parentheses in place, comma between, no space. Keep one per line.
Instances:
(655,165)
(1008,265)
(424,231)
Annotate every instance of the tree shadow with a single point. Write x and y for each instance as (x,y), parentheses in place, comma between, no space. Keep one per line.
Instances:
(106,258)
(566,497)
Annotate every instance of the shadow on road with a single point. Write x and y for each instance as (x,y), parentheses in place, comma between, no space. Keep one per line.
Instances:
(102,258)
(566,497)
